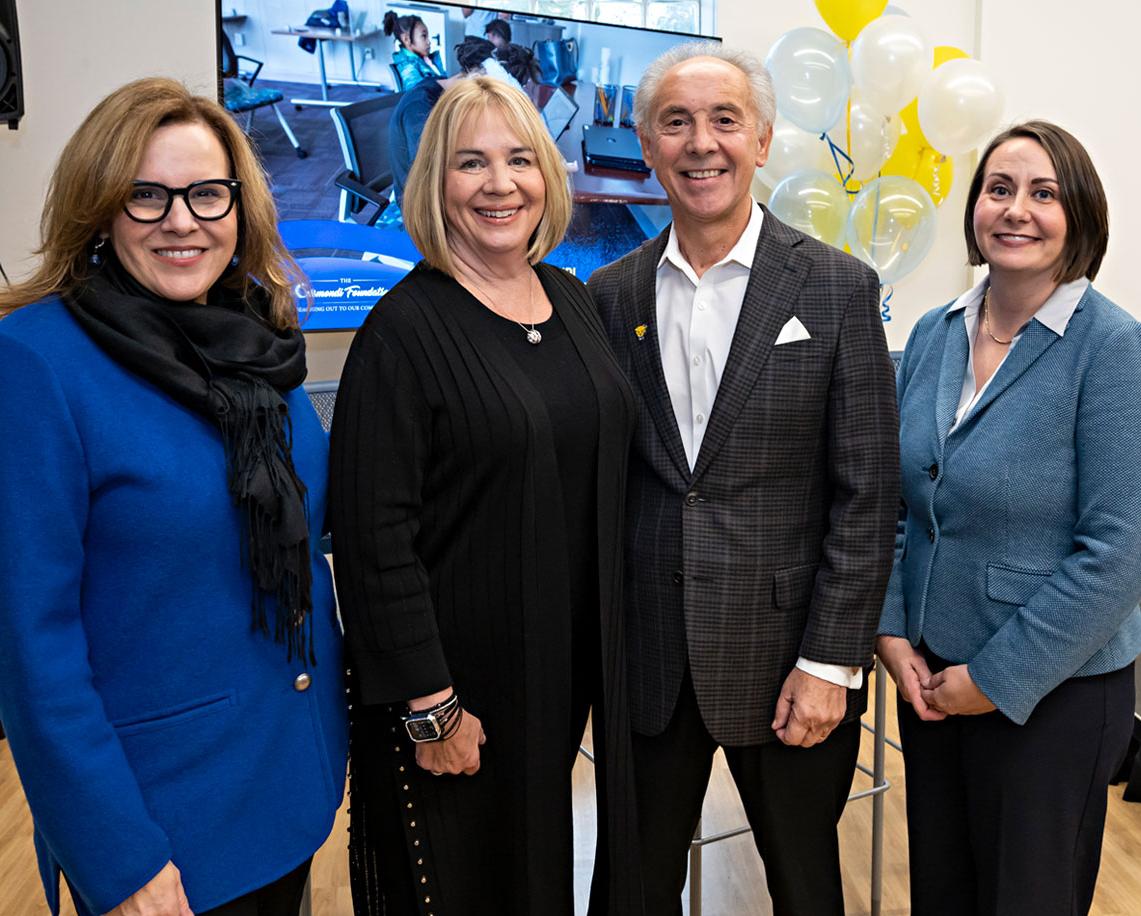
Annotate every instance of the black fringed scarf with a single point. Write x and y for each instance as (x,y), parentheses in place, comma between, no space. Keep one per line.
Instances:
(225,361)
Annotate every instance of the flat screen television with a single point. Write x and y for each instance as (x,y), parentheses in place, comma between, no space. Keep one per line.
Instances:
(319,76)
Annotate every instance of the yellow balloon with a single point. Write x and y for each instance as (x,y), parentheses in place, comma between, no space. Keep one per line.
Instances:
(913,158)
(846,17)
(910,112)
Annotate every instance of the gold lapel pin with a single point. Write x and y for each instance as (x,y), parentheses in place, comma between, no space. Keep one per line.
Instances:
(640,331)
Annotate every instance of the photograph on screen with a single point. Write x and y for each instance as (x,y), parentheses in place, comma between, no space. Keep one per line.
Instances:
(335,98)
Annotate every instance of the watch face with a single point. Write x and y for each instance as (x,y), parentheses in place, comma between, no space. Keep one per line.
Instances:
(424,728)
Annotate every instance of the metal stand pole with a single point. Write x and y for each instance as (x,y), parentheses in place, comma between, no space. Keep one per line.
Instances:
(877,781)
(695,872)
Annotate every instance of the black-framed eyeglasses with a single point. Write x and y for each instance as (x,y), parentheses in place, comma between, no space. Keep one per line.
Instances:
(212,198)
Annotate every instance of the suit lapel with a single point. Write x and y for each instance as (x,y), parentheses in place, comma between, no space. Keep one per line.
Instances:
(774,283)
(639,308)
(1035,340)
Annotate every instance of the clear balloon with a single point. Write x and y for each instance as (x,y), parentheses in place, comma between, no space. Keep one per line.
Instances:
(891,226)
(890,60)
(913,159)
(811,76)
(868,135)
(813,202)
(794,150)
(959,106)
(847,17)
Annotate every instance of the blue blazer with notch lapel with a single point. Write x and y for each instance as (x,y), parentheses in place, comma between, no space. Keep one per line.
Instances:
(1022,550)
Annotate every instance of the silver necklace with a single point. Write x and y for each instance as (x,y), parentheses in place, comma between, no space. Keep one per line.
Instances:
(534,335)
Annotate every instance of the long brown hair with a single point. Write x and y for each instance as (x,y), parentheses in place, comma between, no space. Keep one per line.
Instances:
(93,178)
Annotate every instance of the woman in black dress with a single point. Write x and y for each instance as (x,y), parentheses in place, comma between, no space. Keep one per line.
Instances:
(478,477)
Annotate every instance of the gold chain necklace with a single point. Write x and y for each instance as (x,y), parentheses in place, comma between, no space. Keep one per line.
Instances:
(986,321)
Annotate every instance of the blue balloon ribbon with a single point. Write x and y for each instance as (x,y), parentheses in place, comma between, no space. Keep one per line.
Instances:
(838,153)
(885,305)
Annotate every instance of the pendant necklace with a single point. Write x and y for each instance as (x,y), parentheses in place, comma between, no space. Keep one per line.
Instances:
(534,335)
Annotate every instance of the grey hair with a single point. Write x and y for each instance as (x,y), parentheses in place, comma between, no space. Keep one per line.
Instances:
(760,83)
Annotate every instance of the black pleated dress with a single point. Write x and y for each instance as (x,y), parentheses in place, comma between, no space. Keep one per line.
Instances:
(476,502)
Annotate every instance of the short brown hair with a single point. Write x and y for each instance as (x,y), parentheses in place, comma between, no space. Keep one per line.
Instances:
(424,216)
(93,178)
(1079,191)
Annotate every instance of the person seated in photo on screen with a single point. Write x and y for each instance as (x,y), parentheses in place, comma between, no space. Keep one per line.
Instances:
(475,56)
(414,59)
(171,673)
(498,32)
(1011,622)
(475,21)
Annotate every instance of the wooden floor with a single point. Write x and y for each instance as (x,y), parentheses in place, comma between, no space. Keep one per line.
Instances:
(733,879)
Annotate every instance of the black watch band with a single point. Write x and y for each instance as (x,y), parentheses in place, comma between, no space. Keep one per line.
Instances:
(437,723)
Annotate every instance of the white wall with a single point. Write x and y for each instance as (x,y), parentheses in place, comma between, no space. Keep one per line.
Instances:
(1076,64)
(75,52)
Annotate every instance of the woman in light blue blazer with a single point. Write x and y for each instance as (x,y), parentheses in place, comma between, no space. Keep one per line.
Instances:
(1011,622)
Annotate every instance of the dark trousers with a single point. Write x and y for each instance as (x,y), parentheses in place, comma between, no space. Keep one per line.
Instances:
(793,798)
(282,898)
(1008,819)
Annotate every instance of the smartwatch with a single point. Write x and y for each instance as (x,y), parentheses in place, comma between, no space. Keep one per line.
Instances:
(435,723)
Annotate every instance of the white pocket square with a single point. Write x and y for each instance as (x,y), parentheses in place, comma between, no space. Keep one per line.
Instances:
(792,331)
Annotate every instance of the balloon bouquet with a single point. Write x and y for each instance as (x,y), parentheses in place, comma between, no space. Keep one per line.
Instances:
(868,120)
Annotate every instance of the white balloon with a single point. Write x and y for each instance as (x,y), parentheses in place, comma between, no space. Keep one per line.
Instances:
(811,77)
(960,105)
(873,136)
(890,60)
(794,150)
(892,10)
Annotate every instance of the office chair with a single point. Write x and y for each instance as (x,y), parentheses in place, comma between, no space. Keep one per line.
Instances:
(362,129)
(397,79)
(239,94)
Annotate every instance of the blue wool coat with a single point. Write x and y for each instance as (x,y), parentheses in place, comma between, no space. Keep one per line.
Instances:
(148,721)
(1022,552)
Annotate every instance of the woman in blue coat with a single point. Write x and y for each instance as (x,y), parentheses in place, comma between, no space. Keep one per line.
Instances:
(170,659)
(1011,621)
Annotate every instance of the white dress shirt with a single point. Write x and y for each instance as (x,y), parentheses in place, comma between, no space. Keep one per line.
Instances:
(1055,314)
(697,317)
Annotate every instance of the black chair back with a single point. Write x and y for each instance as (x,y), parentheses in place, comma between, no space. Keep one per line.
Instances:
(362,129)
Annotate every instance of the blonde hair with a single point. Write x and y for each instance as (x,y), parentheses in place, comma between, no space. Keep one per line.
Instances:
(93,178)
(424,216)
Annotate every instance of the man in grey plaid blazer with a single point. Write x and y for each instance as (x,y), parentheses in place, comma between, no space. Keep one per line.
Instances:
(763,491)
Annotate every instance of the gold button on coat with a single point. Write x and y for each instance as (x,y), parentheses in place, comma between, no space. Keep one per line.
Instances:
(302,681)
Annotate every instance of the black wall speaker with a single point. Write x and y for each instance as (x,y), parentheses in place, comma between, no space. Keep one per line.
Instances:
(11,86)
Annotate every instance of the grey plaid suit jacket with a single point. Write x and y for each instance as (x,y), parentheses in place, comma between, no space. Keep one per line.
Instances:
(779,543)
